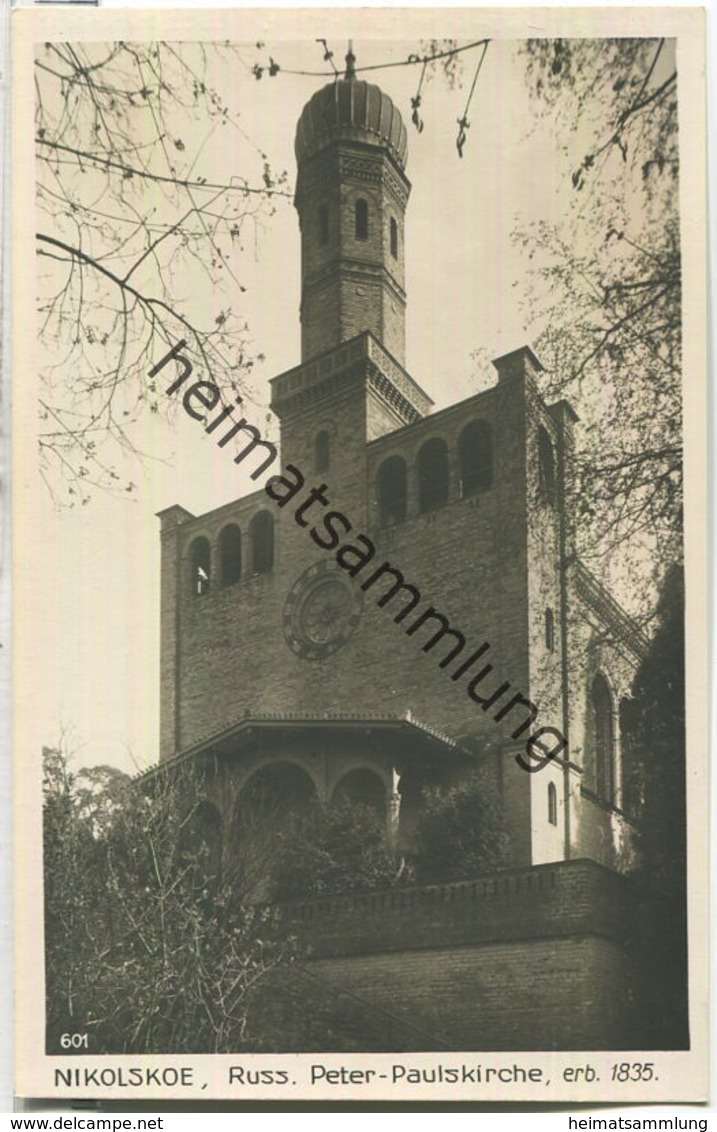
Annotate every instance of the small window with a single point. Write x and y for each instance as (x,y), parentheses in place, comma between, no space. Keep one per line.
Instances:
(433,475)
(475,457)
(230,554)
(391,483)
(322,447)
(552,804)
(323,223)
(199,567)
(549,630)
(262,543)
(361,220)
(546,464)
(394,238)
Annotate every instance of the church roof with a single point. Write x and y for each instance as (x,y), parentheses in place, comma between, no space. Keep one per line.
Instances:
(354,110)
(418,736)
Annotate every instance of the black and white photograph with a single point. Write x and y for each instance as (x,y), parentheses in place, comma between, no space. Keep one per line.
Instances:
(359,534)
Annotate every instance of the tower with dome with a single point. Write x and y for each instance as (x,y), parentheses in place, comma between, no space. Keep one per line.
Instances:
(322,651)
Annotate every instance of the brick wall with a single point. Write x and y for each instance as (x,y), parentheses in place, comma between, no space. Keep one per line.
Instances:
(529,959)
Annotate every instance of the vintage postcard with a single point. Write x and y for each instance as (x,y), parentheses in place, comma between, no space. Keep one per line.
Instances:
(359,380)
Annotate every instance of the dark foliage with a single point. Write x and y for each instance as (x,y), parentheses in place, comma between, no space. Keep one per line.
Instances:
(459,833)
(326,850)
(147,950)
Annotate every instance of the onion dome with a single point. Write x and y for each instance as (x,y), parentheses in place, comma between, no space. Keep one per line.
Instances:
(353,110)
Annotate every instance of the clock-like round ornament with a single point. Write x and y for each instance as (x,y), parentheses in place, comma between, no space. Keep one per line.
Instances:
(321,611)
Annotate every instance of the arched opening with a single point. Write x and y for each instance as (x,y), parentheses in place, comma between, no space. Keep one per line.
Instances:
(604,739)
(323,223)
(230,554)
(361,219)
(394,238)
(200,566)
(392,493)
(549,630)
(546,465)
(433,475)
(475,457)
(322,452)
(261,530)
(363,787)
(552,804)
(271,814)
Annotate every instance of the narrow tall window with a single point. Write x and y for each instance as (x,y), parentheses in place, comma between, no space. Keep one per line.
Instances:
(262,543)
(394,238)
(323,223)
(199,567)
(230,554)
(552,804)
(433,475)
(391,484)
(546,465)
(604,738)
(361,219)
(475,457)
(549,630)
(322,449)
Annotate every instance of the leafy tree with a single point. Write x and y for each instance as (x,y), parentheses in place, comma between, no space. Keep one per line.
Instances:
(459,833)
(129,228)
(331,849)
(655,727)
(607,281)
(147,949)
(656,796)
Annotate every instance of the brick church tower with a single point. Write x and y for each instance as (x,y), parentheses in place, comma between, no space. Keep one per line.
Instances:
(405,605)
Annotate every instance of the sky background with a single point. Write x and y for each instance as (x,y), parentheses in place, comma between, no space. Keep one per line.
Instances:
(93,617)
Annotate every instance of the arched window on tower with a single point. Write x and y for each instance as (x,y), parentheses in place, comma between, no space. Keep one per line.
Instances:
(604,738)
(552,804)
(394,238)
(546,466)
(322,451)
(433,475)
(261,530)
(230,554)
(199,567)
(549,630)
(361,219)
(475,457)
(391,484)
(323,223)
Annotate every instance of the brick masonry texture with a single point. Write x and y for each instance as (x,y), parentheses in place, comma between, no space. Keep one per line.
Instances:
(523,959)
(538,956)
